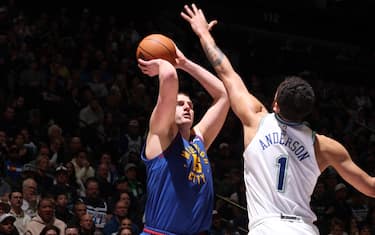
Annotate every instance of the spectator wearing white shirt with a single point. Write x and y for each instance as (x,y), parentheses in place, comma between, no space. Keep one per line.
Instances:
(22,219)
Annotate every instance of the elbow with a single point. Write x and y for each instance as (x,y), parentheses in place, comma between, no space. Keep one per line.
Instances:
(168,75)
(370,191)
(167,71)
(168,81)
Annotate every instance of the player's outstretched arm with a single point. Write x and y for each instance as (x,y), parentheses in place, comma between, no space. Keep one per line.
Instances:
(246,106)
(331,153)
(213,120)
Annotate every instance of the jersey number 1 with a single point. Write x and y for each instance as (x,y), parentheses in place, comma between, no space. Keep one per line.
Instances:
(282,163)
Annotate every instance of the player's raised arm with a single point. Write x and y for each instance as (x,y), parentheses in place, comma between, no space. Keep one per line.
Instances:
(213,120)
(162,127)
(244,104)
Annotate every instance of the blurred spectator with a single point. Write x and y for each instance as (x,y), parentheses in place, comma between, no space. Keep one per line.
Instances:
(8,121)
(3,149)
(5,189)
(14,164)
(364,229)
(131,141)
(20,110)
(61,185)
(128,223)
(74,144)
(121,211)
(341,206)
(217,227)
(136,187)
(72,230)
(56,147)
(322,205)
(50,229)
(337,227)
(96,206)
(79,209)
(22,219)
(72,179)
(239,197)
(43,175)
(71,105)
(30,196)
(86,225)
(45,216)
(98,85)
(4,207)
(122,185)
(331,179)
(226,159)
(31,80)
(54,131)
(82,167)
(62,211)
(42,151)
(134,157)
(91,123)
(25,152)
(125,231)
(106,187)
(359,206)
(28,141)
(106,158)
(35,125)
(371,220)
(28,171)
(6,224)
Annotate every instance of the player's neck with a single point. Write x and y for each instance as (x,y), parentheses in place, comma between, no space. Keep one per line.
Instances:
(185,133)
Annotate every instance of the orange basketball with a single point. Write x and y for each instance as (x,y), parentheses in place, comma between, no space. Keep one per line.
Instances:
(157,46)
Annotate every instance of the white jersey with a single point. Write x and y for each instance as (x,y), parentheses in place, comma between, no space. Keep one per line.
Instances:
(280,171)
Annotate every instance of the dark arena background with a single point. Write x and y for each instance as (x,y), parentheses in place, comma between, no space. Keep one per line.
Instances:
(333,37)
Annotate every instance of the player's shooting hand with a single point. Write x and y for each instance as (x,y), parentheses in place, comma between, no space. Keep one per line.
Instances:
(181,59)
(149,67)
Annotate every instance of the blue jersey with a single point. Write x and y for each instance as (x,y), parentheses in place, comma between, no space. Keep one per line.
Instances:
(180,194)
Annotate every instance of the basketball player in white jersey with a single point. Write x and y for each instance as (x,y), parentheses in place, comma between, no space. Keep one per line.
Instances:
(283,158)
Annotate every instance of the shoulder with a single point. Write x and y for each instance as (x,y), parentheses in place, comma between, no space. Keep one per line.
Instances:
(329,150)
(327,144)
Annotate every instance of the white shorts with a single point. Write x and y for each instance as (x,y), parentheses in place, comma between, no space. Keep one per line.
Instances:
(282,225)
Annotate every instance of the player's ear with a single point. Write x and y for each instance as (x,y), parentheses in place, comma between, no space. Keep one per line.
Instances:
(275,107)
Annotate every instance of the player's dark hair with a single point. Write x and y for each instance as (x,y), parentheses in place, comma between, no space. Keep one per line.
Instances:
(184,92)
(295,98)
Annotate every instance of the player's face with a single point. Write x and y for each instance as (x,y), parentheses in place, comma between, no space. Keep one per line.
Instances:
(184,110)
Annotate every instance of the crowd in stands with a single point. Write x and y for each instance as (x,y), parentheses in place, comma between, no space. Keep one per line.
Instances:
(74,111)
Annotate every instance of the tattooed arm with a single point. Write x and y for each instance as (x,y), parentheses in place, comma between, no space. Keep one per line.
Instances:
(247,107)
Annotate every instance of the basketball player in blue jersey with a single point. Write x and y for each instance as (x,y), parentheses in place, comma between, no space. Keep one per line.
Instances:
(180,195)
(283,158)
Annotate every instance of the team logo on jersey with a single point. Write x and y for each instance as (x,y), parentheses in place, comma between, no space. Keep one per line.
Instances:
(196,175)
